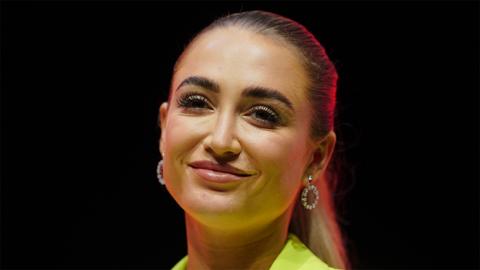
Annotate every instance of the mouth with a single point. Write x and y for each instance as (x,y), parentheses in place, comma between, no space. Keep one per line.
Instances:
(221,168)
(218,173)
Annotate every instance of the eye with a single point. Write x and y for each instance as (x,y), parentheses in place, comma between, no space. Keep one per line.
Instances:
(265,115)
(193,101)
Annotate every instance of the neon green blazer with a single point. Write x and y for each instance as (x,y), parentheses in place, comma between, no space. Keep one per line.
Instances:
(294,256)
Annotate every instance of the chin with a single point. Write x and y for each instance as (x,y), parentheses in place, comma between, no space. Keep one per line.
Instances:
(210,201)
(213,208)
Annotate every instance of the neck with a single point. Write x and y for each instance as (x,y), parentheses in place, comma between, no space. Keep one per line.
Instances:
(252,248)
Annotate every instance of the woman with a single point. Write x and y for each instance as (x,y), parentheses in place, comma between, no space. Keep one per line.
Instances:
(246,137)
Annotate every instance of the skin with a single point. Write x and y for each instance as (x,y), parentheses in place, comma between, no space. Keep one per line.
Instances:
(242,225)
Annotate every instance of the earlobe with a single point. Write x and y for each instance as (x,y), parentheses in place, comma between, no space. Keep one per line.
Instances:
(162,123)
(162,115)
(329,146)
(322,154)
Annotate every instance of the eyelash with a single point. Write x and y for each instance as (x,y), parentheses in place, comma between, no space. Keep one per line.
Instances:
(191,101)
(270,117)
(188,101)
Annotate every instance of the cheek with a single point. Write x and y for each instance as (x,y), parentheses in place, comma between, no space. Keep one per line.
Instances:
(181,139)
(282,158)
(180,136)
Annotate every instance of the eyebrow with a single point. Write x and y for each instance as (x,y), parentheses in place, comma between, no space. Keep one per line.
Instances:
(251,91)
(201,82)
(262,92)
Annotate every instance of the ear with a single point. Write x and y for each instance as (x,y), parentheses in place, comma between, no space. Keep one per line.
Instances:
(321,155)
(162,122)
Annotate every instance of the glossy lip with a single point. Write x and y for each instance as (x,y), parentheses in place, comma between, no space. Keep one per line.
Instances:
(214,172)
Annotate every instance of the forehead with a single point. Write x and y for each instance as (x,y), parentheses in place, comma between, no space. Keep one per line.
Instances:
(237,58)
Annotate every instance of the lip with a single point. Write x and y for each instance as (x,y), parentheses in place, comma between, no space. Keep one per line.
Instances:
(220,173)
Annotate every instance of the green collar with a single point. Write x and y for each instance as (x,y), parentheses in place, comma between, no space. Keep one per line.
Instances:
(294,256)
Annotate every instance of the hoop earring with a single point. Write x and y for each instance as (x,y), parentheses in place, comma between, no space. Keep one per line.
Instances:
(313,188)
(160,172)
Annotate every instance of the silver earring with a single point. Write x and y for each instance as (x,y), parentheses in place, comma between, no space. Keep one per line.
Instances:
(160,172)
(314,190)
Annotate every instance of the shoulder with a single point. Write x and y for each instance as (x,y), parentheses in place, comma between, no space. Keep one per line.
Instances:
(296,256)
(181,265)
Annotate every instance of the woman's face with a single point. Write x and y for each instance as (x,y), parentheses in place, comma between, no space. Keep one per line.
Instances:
(238,99)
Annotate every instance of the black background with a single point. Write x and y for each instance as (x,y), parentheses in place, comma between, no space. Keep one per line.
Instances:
(81,86)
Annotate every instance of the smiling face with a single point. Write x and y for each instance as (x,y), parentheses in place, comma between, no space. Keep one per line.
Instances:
(238,99)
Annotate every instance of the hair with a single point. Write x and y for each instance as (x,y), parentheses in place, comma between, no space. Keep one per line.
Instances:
(317,228)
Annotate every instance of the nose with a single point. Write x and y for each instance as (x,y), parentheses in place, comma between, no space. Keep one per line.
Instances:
(222,141)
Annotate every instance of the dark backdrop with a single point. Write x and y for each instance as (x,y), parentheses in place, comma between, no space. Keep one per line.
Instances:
(82,81)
